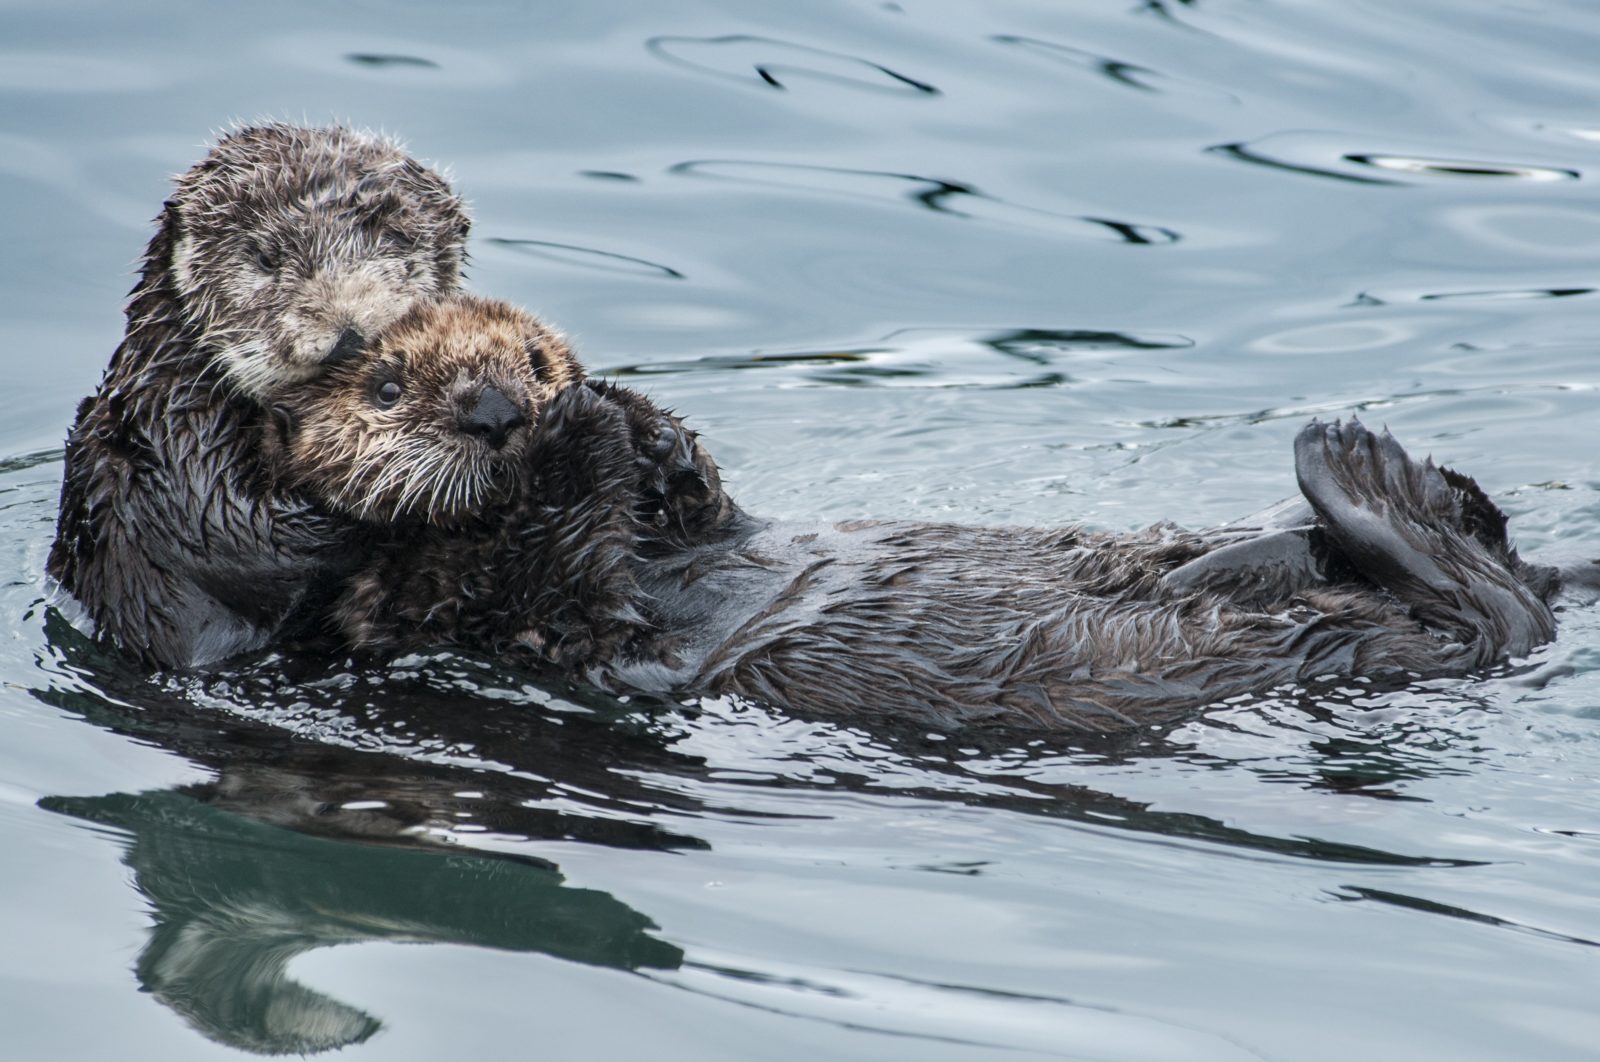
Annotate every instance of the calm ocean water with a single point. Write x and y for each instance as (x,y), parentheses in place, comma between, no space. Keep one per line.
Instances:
(1013,261)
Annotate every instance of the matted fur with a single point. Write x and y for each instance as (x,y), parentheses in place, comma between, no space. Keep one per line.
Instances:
(284,237)
(936,624)
(410,458)
(168,533)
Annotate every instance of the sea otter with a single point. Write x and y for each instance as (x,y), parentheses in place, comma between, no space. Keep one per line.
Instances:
(280,253)
(545,542)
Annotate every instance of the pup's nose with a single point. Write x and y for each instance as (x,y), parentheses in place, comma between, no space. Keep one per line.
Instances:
(493,417)
(348,346)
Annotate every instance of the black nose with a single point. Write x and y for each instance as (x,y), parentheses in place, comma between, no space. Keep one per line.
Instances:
(348,346)
(493,416)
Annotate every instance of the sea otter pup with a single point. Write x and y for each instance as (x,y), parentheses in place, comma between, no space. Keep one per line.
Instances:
(544,541)
(278,254)
(428,437)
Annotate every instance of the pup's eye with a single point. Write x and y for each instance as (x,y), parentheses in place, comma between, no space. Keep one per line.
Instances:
(387,393)
(266,261)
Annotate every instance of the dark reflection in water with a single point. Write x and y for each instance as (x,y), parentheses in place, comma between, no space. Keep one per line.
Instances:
(332,791)
(1166,10)
(1129,74)
(235,900)
(1248,153)
(1318,155)
(1516,293)
(1117,71)
(772,60)
(931,358)
(374,59)
(1463,168)
(952,198)
(588,257)
(296,844)
(1416,903)
(423,748)
(298,744)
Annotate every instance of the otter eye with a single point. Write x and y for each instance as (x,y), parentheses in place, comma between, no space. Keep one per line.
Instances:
(266,261)
(387,393)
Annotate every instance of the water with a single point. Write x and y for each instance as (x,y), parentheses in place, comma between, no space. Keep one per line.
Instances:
(1005,262)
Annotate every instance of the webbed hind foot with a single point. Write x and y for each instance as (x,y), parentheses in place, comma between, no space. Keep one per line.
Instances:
(1431,538)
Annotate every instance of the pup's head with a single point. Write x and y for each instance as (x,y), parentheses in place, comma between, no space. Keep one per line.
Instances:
(292,247)
(432,419)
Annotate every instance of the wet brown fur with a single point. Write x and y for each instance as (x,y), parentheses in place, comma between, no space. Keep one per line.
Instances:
(410,460)
(589,568)
(270,247)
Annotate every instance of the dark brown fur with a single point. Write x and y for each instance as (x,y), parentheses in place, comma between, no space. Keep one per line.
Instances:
(271,249)
(939,624)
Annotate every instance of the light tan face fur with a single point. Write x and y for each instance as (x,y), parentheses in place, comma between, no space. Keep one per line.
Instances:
(433,419)
(284,238)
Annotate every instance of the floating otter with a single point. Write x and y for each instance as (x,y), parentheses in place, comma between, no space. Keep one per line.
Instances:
(278,254)
(660,584)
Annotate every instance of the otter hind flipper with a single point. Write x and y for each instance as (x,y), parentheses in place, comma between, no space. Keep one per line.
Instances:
(1433,540)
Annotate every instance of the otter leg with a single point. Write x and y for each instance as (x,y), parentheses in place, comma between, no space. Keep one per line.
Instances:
(1431,538)
(1262,568)
(1262,559)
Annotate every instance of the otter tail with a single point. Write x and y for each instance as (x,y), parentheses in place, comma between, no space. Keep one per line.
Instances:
(1428,535)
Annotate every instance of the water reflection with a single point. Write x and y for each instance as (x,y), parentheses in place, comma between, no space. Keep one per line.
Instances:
(1130,75)
(933,358)
(1117,71)
(1509,293)
(235,900)
(331,790)
(587,257)
(948,197)
(1255,156)
(378,59)
(774,60)
(1417,903)
(1319,155)
(1463,168)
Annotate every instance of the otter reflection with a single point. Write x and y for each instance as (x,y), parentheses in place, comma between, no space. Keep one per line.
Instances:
(235,900)
(297,843)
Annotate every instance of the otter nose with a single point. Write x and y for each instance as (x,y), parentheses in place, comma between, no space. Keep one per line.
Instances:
(348,346)
(493,417)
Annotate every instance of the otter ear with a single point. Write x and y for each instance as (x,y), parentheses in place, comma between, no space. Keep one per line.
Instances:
(169,231)
(283,419)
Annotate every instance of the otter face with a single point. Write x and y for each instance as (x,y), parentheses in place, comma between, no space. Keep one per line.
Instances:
(432,420)
(292,247)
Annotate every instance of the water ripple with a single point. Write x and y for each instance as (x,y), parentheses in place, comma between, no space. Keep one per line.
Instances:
(1507,293)
(377,59)
(953,198)
(1248,153)
(1318,155)
(1417,903)
(1463,168)
(732,56)
(1126,74)
(933,358)
(587,257)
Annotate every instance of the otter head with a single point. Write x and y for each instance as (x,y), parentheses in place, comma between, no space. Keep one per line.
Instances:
(431,420)
(292,247)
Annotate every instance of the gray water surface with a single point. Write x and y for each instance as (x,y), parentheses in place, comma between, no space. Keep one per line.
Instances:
(1012,261)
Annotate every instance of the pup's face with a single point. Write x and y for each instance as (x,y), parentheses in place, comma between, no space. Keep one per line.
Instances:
(293,247)
(432,420)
